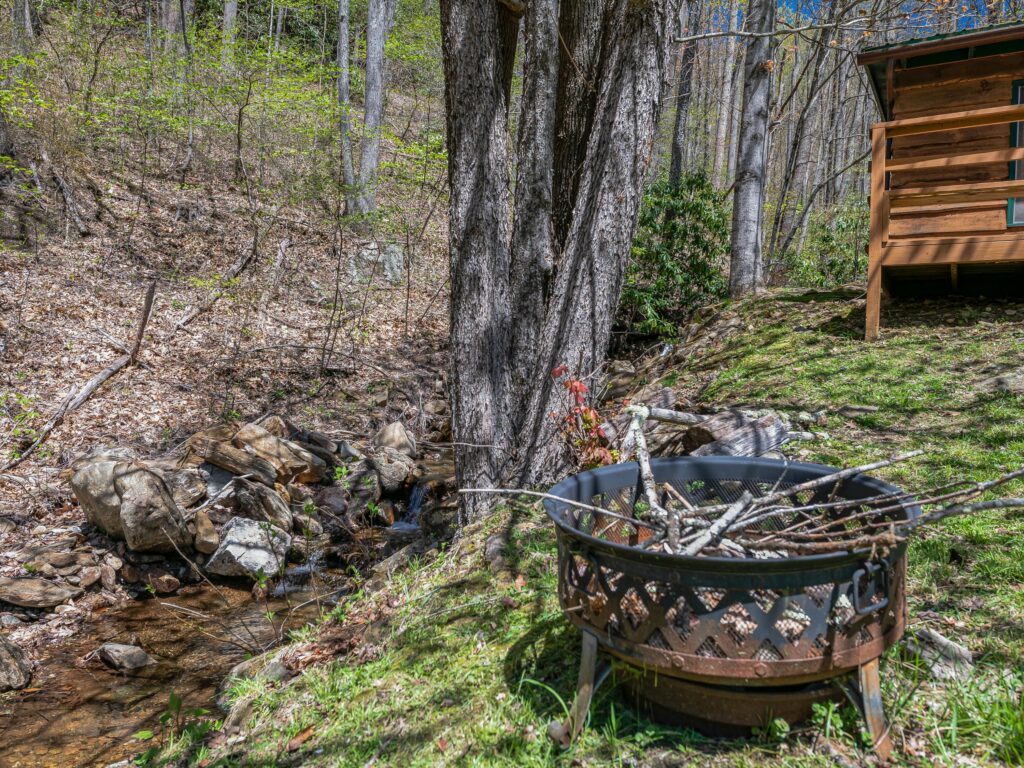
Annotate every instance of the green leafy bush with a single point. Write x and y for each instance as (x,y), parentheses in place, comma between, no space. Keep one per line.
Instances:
(678,256)
(835,249)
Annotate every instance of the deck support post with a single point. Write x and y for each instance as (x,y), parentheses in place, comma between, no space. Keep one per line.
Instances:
(879,225)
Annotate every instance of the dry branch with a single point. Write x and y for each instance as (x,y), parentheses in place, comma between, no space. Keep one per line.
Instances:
(712,534)
(75,397)
(236,269)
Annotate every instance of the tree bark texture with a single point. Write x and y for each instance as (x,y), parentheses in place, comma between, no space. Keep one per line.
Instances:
(725,105)
(689,16)
(536,271)
(345,103)
(378,27)
(229,29)
(748,200)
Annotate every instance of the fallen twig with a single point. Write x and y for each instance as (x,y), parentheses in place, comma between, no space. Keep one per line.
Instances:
(75,397)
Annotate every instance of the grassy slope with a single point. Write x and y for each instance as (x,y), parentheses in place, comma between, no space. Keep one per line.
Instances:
(470,664)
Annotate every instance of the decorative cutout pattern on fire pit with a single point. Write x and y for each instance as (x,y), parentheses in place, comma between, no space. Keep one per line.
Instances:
(748,618)
(810,623)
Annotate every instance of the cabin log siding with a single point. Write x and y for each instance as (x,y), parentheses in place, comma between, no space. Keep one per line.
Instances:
(981,83)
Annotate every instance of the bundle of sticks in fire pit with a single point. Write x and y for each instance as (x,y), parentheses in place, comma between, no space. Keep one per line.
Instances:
(776,524)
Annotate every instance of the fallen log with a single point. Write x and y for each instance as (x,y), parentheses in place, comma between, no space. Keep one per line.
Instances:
(234,460)
(752,438)
(75,397)
(714,428)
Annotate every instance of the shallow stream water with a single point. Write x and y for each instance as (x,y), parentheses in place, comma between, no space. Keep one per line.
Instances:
(80,713)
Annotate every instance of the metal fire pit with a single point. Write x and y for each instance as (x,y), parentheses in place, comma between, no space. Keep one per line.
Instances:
(723,644)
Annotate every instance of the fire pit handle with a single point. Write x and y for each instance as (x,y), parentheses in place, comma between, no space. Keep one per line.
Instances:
(876,579)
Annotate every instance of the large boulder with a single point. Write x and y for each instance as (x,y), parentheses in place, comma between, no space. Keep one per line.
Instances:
(93,486)
(394,468)
(275,450)
(373,261)
(150,519)
(251,549)
(15,671)
(257,502)
(130,501)
(396,436)
(187,485)
(291,460)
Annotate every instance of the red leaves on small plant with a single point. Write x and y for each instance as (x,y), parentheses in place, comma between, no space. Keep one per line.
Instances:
(581,424)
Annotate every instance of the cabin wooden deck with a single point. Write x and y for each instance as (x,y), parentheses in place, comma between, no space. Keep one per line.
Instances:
(942,164)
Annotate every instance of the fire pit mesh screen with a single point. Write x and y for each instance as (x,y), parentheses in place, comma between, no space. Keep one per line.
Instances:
(716,617)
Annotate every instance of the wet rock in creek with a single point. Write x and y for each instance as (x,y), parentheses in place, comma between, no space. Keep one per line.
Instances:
(123,657)
(393,467)
(250,548)
(15,670)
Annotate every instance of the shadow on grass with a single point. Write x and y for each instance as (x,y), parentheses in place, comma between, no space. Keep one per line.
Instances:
(822,295)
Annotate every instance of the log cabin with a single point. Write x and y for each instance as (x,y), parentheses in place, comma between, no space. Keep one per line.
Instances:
(947,164)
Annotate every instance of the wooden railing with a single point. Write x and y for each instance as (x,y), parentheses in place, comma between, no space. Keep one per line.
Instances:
(947,247)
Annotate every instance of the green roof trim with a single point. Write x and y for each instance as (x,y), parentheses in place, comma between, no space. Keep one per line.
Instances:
(961,45)
(944,36)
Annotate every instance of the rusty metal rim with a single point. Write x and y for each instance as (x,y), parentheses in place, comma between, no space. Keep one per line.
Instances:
(745,671)
(569,487)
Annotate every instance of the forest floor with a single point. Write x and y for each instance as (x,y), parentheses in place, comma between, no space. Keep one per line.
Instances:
(454,663)
(298,335)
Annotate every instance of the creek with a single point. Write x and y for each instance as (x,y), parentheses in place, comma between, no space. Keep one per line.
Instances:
(78,712)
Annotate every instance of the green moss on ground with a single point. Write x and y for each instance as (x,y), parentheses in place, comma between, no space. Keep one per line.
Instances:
(464,666)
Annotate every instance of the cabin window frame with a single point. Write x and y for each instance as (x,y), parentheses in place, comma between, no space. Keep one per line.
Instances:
(1015,205)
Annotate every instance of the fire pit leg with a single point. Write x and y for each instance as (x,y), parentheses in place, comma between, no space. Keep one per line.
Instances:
(589,681)
(870,690)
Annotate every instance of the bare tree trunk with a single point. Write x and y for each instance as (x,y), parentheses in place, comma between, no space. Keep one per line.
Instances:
(725,108)
(22,24)
(797,146)
(378,27)
(689,16)
(528,296)
(229,30)
(6,143)
(345,105)
(748,203)
(479,41)
(734,122)
(177,14)
(279,26)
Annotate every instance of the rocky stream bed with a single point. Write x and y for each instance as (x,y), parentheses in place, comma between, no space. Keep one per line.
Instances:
(183,566)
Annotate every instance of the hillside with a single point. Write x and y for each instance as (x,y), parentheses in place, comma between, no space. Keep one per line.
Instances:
(454,663)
